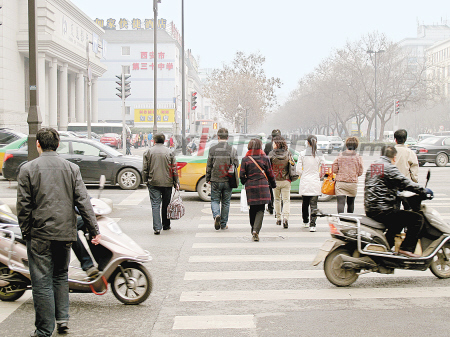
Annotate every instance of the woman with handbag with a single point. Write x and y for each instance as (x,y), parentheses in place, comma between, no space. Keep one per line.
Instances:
(256,174)
(308,168)
(280,158)
(347,167)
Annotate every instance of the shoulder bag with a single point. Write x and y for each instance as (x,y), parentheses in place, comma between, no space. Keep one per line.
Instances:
(293,176)
(254,161)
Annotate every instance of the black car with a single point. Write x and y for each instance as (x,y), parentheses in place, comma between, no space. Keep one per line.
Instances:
(93,158)
(433,150)
(8,136)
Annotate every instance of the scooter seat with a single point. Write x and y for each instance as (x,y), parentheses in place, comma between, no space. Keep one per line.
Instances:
(366,221)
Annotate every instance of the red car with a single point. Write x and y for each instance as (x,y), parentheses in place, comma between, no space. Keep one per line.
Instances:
(111,139)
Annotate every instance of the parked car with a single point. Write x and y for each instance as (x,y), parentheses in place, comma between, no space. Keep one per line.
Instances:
(192,170)
(423,136)
(433,150)
(93,158)
(410,141)
(7,136)
(12,146)
(337,143)
(68,134)
(324,144)
(111,139)
(94,136)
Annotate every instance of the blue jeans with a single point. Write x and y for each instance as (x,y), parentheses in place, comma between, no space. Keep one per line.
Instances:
(220,192)
(160,194)
(49,265)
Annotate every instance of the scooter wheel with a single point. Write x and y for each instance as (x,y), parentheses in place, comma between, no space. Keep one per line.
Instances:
(139,287)
(440,267)
(335,274)
(10,292)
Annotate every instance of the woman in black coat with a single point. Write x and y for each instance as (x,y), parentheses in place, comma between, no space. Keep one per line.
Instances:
(256,174)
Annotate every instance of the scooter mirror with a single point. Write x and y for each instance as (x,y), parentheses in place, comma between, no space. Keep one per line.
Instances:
(428,178)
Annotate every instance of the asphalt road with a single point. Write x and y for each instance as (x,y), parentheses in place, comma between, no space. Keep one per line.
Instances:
(220,283)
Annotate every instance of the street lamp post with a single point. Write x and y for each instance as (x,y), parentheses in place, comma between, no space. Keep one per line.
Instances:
(375,100)
(240,108)
(183,86)
(155,64)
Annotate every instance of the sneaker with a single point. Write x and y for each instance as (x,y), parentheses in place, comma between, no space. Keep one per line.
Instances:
(312,228)
(157,232)
(226,227)
(255,236)
(278,222)
(217,222)
(285,223)
(62,327)
(92,271)
(306,224)
(166,228)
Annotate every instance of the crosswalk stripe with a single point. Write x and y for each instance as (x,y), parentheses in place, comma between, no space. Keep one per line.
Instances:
(7,308)
(250,258)
(316,294)
(214,322)
(256,245)
(285,234)
(135,198)
(265,224)
(285,274)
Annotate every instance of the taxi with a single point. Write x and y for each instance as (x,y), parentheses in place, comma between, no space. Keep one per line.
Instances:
(12,146)
(192,169)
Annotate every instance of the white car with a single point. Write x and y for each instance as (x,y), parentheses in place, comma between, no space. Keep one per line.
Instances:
(324,144)
(337,143)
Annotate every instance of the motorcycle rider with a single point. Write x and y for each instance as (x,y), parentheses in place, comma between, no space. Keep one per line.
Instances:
(383,181)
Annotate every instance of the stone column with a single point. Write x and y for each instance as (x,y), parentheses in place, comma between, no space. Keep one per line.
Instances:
(94,100)
(53,94)
(63,100)
(72,118)
(42,88)
(79,98)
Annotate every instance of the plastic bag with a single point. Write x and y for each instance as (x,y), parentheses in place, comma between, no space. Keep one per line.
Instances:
(244,206)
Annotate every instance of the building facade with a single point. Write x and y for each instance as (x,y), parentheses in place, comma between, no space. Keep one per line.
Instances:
(67,38)
(130,48)
(439,65)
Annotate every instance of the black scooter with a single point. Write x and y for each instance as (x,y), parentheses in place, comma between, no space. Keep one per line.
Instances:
(358,245)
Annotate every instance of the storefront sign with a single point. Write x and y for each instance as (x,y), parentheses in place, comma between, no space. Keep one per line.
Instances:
(146,115)
(130,24)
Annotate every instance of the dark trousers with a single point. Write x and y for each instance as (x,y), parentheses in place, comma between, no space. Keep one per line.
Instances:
(270,205)
(307,202)
(395,221)
(256,214)
(160,195)
(79,249)
(341,204)
(49,266)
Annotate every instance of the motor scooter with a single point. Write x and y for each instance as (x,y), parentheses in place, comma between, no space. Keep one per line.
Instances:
(120,261)
(358,245)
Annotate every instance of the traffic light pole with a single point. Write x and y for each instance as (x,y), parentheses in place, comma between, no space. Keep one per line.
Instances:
(124,131)
(34,114)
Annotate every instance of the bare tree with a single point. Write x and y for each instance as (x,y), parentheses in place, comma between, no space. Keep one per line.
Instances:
(243,83)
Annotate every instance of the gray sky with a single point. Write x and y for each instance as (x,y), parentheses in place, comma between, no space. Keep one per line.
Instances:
(293,35)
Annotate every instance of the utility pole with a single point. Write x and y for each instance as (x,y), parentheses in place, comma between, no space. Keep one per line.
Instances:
(183,86)
(155,67)
(88,93)
(34,114)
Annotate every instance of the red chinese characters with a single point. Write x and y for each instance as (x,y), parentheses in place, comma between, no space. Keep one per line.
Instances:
(144,66)
(161,66)
(169,66)
(135,66)
(144,54)
(161,55)
(377,170)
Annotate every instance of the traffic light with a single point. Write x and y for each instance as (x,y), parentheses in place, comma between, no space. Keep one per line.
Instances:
(124,87)
(397,107)
(215,126)
(194,100)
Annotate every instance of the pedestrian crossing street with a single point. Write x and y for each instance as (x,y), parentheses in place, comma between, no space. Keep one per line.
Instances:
(230,282)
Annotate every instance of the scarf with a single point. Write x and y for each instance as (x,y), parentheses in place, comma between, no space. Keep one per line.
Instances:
(253,152)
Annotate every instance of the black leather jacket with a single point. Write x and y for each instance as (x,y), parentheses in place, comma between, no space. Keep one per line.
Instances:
(49,188)
(383,181)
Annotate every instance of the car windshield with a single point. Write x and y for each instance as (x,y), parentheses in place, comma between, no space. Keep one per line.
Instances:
(322,138)
(111,135)
(431,140)
(108,149)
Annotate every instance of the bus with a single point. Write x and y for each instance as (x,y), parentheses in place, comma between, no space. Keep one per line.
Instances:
(204,126)
(99,128)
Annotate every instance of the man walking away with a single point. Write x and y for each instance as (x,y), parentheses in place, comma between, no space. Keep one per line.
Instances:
(49,188)
(406,161)
(160,174)
(221,157)
(267,148)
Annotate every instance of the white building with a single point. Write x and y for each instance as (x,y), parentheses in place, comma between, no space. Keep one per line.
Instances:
(130,47)
(439,64)
(63,33)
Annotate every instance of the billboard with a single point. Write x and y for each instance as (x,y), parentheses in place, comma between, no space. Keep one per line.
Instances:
(146,116)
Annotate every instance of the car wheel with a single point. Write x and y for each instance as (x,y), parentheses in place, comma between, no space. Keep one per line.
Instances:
(129,179)
(441,160)
(421,163)
(204,190)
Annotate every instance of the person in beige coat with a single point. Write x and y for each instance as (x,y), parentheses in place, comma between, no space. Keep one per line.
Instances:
(406,161)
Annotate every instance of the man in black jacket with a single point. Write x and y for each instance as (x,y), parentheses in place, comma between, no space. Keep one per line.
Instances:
(383,181)
(160,174)
(221,156)
(49,188)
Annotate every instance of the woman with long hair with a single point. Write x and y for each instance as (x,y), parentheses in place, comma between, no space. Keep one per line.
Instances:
(308,168)
(257,176)
(347,167)
(279,157)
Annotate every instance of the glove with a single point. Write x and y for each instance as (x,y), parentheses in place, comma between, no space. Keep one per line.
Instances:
(429,193)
